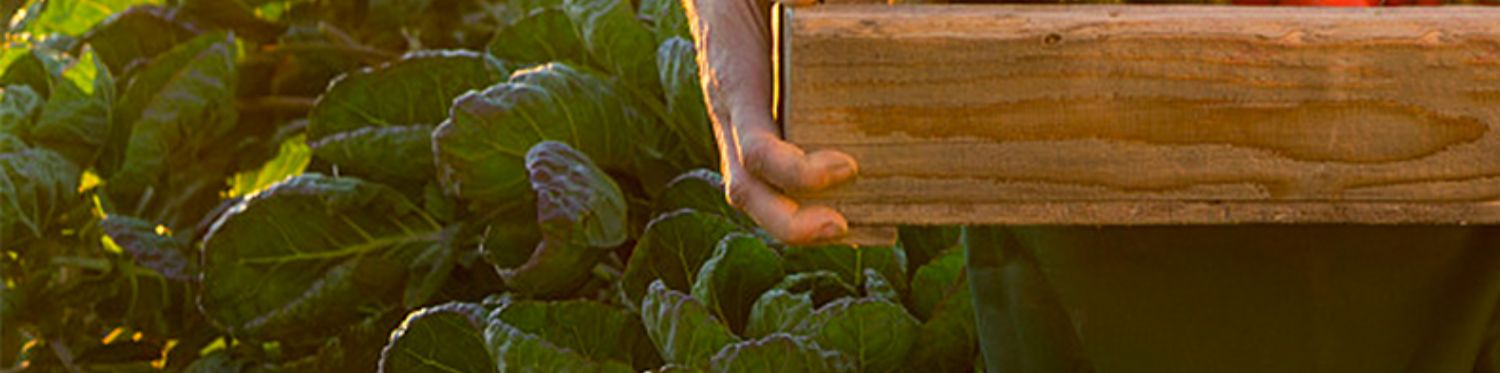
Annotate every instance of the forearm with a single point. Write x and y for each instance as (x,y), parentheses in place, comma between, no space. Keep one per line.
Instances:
(732,40)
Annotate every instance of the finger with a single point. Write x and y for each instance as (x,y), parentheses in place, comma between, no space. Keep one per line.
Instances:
(782,217)
(790,168)
(797,2)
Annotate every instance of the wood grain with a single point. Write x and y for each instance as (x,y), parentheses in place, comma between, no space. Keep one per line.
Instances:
(991,114)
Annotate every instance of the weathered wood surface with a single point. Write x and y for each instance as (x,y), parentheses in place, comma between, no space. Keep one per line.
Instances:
(1149,114)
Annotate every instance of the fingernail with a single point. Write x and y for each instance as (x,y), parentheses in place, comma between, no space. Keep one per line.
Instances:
(842,170)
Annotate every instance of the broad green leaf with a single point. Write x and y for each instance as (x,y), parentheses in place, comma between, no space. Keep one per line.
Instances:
(481,148)
(73,17)
(666,18)
(781,353)
(310,255)
(19,105)
(517,351)
(291,159)
(545,35)
(702,190)
(824,286)
(135,36)
(151,248)
(232,15)
(36,186)
(439,339)
(730,281)
(682,329)
(849,262)
(594,330)
(673,248)
(396,13)
(876,333)
(936,281)
(877,287)
(509,242)
(778,311)
(418,89)
(396,155)
(76,123)
(616,41)
(581,213)
(687,113)
(948,341)
(924,243)
(175,108)
(35,69)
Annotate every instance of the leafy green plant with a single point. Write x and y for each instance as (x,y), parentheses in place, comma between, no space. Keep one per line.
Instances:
(411,185)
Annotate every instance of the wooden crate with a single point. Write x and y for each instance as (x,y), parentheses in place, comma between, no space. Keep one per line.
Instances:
(1105,115)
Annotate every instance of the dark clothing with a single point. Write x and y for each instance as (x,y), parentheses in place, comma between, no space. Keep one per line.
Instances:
(1237,299)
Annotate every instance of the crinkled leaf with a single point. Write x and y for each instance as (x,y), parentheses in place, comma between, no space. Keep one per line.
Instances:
(396,155)
(616,41)
(877,287)
(594,330)
(878,334)
(174,109)
(924,243)
(781,353)
(849,262)
(581,213)
(135,36)
(702,190)
(76,123)
(681,327)
(778,311)
(418,89)
(936,281)
(674,246)
(310,255)
(481,147)
(687,114)
(666,18)
(18,109)
(823,286)
(165,254)
(544,35)
(948,341)
(515,350)
(439,339)
(730,281)
(36,186)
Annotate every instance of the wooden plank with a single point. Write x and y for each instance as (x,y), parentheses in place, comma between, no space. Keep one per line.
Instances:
(991,114)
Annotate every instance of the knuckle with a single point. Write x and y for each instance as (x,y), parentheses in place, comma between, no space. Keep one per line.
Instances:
(739,193)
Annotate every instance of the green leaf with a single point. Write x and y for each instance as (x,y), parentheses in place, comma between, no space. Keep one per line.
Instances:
(396,155)
(781,353)
(174,109)
(162,253)
(35,69)
(418,89)
(581,213)
(850,262)
(680,326)
(616,41)
(76,123)
(594,330)
(824,286)
(877,287)
(73,17)
(135,36)
(291,159)
(481,148)
(310,255)
(515,350)
(440,339)
(778,311)
(677,67)
(544,35)
(948,341)
(876,333)
(936,281)
(730,281)
(673,248)
(36,187)
(666,18)
(19,105)
(702,190)
(923,243)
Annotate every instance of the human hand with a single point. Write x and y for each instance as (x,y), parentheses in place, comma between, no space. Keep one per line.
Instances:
(734,64)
